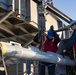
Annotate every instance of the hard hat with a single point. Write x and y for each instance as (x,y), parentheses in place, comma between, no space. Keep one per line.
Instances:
(72,22)
(50,34)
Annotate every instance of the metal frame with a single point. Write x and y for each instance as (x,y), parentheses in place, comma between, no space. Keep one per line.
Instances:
(4,17)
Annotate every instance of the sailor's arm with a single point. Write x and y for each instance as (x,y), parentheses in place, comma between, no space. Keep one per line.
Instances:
(70,42)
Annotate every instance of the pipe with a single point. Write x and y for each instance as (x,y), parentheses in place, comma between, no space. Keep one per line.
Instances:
(19,6)
(33,53)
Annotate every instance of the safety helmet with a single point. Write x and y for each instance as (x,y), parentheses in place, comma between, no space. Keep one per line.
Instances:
(50,34)
(72,23)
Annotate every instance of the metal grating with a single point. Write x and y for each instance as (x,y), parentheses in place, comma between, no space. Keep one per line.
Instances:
(18,30)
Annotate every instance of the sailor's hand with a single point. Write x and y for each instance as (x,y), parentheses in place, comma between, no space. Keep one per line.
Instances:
(64,51)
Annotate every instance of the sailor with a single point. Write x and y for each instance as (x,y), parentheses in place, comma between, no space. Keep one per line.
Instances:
(72,40)
(50,45)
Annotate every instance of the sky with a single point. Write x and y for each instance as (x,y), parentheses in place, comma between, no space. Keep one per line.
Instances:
(67,7)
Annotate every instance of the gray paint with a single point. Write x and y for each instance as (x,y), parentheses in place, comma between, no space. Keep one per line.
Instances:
(33,53)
